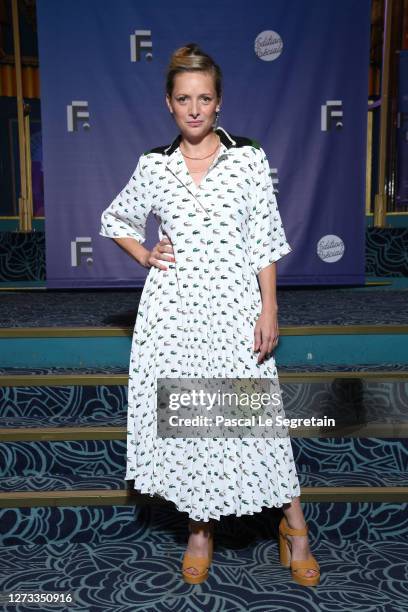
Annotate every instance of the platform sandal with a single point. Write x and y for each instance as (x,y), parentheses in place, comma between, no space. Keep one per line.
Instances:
(298,567)
(200,564)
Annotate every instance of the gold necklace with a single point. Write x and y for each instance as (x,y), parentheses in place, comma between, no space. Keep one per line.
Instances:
(207,156)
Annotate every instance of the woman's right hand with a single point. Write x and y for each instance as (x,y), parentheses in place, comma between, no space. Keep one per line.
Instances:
(162,251)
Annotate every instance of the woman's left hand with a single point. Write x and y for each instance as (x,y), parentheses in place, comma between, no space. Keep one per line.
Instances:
(266,333)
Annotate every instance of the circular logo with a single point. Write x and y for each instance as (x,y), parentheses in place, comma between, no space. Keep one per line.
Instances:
(330,248)
(268,45)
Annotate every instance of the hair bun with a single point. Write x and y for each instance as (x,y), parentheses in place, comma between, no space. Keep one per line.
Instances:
(191,58)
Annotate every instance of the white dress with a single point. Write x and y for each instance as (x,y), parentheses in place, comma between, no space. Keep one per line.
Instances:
(197,320)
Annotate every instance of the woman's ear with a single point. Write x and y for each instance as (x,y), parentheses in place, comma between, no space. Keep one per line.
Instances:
(168,104)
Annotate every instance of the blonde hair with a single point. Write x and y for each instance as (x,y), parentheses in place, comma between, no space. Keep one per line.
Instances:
(191,58)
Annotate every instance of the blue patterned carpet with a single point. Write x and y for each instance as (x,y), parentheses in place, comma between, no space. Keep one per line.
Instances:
(350,401)
(366,576)
(298,369)
(99,464)
(297,306)
(386,251)
(142,571)
(331,521)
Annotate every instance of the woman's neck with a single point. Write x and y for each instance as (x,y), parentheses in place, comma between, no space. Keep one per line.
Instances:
(197,148)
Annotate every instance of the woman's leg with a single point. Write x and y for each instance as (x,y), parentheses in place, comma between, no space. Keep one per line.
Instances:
(299,544)
(200,532)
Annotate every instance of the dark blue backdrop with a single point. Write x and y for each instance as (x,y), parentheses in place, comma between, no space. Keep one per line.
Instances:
(295,78)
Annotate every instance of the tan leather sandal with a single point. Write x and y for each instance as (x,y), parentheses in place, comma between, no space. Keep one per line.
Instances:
(200,564)
(298,567)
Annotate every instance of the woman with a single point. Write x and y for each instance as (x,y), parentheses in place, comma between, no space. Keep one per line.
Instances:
(208,306)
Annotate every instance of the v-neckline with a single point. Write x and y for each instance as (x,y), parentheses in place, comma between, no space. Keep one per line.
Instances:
(190,175)
(213,163)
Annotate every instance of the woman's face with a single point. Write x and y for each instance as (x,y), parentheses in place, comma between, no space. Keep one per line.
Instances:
(193,103)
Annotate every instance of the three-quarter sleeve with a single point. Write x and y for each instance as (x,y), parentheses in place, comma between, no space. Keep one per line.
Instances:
(267,238)
(126,215)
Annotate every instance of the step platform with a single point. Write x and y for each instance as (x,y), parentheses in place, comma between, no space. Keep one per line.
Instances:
(76,329)
(66,511)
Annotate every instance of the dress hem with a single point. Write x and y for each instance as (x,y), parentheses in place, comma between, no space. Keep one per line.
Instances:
(211,515)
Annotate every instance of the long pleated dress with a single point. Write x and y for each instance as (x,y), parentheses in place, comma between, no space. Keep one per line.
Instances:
(197,320)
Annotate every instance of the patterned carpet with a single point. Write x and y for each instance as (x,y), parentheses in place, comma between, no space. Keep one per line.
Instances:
(350,401)
(125,577)
(100,464)
(304,367)
(142,571)
(297,306)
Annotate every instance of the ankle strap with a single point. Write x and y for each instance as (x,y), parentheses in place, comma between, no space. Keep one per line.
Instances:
(291,530)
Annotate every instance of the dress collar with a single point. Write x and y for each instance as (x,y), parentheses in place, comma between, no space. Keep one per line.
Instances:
(225,138)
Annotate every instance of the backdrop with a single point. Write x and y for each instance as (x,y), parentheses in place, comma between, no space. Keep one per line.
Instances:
(295,79)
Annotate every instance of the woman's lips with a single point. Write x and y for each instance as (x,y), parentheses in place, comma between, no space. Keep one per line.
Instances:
(194,122)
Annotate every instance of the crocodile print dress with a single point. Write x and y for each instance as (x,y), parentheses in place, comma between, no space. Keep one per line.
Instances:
(197,319)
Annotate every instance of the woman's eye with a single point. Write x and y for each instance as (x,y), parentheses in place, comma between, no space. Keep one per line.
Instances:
(204,98)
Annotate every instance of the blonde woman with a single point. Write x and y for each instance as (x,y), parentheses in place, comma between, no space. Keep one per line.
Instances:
(208,309)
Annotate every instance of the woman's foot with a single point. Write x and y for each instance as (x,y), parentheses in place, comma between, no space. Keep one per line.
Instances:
(198,542)
(299,546)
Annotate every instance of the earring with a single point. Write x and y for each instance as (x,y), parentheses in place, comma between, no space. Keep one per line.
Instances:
(215,124)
